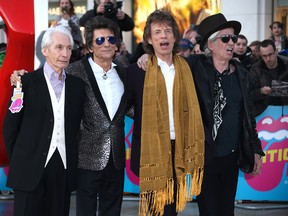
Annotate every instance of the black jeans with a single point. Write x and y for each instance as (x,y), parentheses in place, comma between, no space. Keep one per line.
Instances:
(219,186)
(170,210)
(107,184)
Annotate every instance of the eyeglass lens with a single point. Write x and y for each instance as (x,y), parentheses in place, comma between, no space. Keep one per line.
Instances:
(100,40)
(226,38)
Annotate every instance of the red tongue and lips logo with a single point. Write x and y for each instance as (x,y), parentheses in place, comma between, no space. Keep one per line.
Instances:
(274,137)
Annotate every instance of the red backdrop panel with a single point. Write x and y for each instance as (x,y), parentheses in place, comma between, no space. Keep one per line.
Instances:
(18,17)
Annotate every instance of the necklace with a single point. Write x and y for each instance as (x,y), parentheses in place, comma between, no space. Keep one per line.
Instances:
(104,75)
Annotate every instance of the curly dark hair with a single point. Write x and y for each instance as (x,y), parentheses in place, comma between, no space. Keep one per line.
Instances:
(100,22)
(160,16)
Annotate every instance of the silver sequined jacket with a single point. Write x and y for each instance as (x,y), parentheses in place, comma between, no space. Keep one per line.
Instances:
(99,136)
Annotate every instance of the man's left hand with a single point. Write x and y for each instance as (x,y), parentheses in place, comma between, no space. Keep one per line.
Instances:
(257,165)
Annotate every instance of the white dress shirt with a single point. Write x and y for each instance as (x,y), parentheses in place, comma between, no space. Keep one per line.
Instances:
(169,74)
(111,88)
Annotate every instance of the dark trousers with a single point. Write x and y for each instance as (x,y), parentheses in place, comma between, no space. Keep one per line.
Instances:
(50,197)
(106,184)
(219,186)
(170,210)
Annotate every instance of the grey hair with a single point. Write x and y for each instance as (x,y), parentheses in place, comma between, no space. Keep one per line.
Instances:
(212,36)
(207,51)
(47,37)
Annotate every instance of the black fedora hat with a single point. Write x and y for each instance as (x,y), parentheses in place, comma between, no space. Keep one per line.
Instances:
(214,23)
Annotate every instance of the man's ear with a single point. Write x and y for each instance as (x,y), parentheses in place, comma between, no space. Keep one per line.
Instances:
(210,44)
(44,51)
(149,41)
(89,50)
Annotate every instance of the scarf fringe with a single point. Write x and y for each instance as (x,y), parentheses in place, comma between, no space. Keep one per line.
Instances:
(153,202)
(181,198)
(187,187)
(197,181)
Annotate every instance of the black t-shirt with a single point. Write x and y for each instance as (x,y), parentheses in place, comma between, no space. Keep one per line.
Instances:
(228,137)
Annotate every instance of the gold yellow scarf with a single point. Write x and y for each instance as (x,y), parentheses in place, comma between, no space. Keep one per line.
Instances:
(156,174)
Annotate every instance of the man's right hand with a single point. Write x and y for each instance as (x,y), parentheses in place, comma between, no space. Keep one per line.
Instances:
(266,90)
(100,9)
(16,76)
(142,62)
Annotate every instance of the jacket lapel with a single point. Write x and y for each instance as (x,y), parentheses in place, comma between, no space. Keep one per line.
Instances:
(69,92)
(123,98)
(211,77)
(42,89)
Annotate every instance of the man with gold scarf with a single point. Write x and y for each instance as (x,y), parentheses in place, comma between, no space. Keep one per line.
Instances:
(168,138)
(231,139)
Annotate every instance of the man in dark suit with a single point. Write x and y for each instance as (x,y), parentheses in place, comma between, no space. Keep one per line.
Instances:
(40,136)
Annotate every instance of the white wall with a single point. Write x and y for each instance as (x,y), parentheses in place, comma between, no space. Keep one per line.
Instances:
(127,36)
(254,15)
(41,24)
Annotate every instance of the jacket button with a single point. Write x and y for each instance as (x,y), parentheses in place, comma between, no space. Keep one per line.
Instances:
(49,137)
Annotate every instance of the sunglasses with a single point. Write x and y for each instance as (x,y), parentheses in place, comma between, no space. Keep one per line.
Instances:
(226,38)
(100,40)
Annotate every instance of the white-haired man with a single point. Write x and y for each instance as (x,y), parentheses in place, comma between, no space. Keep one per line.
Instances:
(40,136)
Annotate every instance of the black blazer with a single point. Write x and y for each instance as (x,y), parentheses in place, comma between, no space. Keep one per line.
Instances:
(202,71)
(28,134)
(135,86)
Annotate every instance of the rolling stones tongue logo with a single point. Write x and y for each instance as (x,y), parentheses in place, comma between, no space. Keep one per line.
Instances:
(274,137)
(132,177)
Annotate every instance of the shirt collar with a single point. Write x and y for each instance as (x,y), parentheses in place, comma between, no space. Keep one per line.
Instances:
(98,67)
(48,70)
(162,63)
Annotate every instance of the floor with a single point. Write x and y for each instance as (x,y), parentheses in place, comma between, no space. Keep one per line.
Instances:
(130,207)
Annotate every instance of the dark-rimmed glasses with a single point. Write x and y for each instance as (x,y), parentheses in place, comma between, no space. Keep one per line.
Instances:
(100,40)
(268,55)
(226,38)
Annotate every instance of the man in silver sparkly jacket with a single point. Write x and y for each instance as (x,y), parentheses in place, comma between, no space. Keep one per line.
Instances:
(101,137)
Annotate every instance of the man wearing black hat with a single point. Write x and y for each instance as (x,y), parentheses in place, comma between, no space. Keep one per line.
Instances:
(231,138)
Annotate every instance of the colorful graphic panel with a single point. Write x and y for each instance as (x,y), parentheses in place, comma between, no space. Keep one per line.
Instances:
(131,184)
(272,183)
